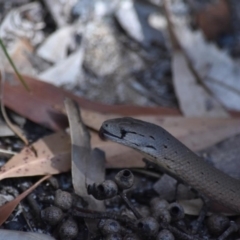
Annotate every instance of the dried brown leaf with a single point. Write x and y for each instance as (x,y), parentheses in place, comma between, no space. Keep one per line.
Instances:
(45,97)
(51,156)
(87,164)
(81,150)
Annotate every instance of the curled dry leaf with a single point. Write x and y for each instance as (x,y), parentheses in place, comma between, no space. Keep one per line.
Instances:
(8,208)
(87,164)
(51,155)
(81,149)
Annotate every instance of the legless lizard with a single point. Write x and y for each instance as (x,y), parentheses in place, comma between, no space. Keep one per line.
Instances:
(161,147)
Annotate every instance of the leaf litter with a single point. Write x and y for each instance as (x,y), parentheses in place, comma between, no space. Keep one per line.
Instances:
(197,133)
(187,82)
(51,155)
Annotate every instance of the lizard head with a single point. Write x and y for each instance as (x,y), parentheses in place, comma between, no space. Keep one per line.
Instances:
(134,133)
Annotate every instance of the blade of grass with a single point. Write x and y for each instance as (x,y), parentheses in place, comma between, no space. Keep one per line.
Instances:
(17,130)
(13,66)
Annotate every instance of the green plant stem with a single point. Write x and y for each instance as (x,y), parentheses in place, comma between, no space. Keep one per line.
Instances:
(13,66)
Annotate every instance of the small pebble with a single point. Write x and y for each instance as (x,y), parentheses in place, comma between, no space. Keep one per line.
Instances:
(176,211)
(68,230)
(63,199)
(113,236)
(51,215)
(217,224)
(14,225)
(124,179)
(147,226)
(144,211)
(162,215)
(165,235)
(109,226)
(104,190)
(158,203)
(131,237)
